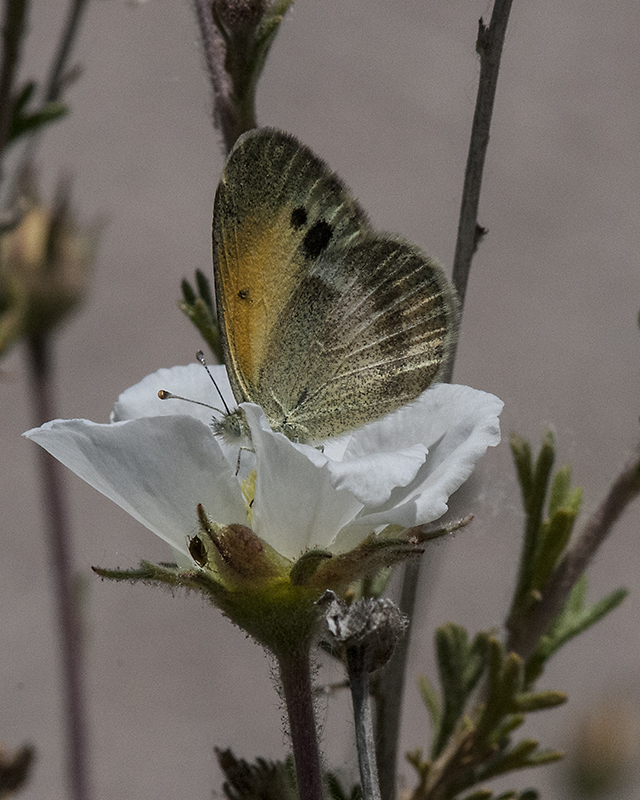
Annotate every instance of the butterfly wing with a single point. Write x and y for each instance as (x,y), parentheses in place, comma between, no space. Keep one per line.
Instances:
(325,323)
(278,210)
(367,333)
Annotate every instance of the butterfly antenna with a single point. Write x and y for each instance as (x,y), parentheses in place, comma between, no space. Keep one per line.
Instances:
(200,357)
(163,394)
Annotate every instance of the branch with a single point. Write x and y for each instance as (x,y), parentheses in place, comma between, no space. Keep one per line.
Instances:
(489,47)
(625,488)
(13,29)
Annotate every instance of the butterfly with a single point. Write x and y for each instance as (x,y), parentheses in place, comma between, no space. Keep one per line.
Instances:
(325,323)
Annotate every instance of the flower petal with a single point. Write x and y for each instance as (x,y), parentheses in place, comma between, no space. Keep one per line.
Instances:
(458,424)
(296,506)
(157,469)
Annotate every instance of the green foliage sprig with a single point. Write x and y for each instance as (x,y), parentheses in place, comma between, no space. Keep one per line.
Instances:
(486,686)
(197,305)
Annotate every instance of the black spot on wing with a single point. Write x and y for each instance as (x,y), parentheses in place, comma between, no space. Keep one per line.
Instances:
(317,238)
(298,218)
(243,294)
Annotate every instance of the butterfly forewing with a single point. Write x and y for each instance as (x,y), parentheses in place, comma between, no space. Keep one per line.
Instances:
(277,210)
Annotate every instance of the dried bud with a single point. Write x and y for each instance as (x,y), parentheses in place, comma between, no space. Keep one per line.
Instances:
(373,625)
(44,266)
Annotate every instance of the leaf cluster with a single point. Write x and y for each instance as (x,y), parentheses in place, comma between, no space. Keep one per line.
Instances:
(487,687)
(546,538)
(471,747)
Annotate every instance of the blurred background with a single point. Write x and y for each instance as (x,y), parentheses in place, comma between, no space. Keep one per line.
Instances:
(385,92)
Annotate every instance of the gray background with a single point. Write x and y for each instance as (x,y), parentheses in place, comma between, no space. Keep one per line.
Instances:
(385,92)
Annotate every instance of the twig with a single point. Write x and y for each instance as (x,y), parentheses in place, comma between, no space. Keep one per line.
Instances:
(60,558)
(625,488)
(489,46)
(13,28)
(215,50)
(56,81)
(54,86)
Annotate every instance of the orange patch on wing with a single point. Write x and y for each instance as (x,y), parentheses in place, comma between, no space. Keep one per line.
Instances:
(259,269)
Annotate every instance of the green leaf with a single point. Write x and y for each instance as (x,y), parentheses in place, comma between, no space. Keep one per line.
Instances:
(560,490)
(198,307)
(576,618)
(23,123)
(204,289)
(431,701)
(533,483)
(460,665)
(526,702)
(260,780)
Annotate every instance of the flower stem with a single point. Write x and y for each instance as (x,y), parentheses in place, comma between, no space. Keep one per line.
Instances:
(358,666)
(60,557)
(295,674)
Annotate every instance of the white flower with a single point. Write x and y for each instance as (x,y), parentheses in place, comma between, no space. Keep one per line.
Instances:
(159,459)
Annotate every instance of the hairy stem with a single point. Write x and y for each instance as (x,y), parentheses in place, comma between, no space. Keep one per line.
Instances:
(60,557)
(295,674)
(525,637)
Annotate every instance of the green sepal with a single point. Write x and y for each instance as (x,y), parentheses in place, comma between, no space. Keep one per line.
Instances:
(307,565)
(198,307)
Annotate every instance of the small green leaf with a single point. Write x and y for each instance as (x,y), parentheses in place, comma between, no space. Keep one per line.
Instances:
(560,490)
(204,289)
(431,701)
(188,295)
(521,451)
(460,665)
(23,123)
(538,701)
